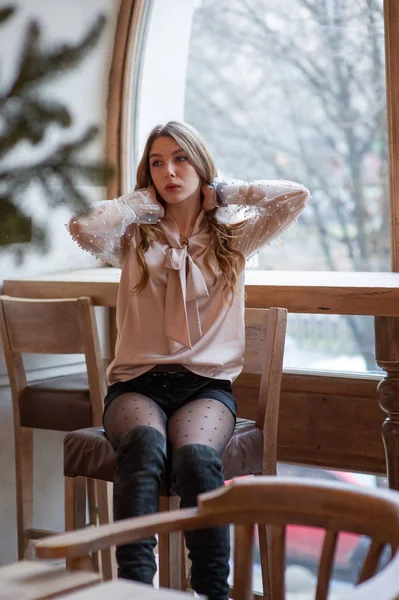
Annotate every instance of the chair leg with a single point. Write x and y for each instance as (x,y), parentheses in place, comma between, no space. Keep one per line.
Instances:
(164,549)
(171,567)
(171,549)
(92,500)
(178,580)
(75,503)
(265,546)
(24,486)
(75,506)
(104,498)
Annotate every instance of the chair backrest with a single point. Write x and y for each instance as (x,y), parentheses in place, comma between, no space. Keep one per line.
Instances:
(257,389)
(272,501)
(264,328)
(63,326)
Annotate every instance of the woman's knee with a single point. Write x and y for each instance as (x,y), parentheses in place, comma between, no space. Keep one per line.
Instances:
(197,468)
(142,441)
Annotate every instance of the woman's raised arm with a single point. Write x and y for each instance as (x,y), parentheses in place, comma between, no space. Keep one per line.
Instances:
(104,230)
(268,207)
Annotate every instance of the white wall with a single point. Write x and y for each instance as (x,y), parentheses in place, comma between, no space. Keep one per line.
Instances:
(85,93)
(160,97)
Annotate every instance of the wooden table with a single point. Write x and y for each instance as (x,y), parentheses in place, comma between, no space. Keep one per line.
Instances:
(374,294)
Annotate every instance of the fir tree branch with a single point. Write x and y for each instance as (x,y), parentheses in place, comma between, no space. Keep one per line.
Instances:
(26,116)
(62,166)
(37,66)
(31,122)
(65,150)
(6,12)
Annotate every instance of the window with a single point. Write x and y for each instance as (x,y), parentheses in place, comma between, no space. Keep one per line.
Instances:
(294,90)
(297,90)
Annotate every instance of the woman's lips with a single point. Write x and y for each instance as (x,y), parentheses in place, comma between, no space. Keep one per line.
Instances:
(172,187)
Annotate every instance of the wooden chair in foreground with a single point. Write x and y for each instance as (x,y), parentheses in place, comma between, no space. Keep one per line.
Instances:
(122,589)
(36,580)
(251,451)
(277,502)
(62,403)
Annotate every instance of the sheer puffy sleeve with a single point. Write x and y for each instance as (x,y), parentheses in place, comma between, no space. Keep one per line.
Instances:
(106,230)
(267,208)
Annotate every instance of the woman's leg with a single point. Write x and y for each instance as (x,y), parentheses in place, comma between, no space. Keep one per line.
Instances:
(129,411)
(198,433)
(136,427)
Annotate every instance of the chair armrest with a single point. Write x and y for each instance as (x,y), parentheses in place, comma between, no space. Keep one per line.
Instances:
(92,539)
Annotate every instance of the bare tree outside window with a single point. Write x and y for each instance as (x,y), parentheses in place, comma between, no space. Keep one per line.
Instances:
(296,89)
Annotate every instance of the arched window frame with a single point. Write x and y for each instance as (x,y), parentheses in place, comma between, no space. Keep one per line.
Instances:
(123,94)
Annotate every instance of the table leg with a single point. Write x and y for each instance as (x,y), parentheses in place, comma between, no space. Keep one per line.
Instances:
(387,357)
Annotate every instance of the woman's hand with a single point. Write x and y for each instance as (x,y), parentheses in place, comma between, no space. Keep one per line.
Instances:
(152,194)
(144,203)
(210,199)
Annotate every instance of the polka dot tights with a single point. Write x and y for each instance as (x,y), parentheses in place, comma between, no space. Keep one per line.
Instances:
(204,421)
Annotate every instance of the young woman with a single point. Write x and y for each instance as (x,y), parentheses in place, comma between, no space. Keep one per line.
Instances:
(181,239)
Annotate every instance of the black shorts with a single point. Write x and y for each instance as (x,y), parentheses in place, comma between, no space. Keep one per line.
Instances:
(171,391)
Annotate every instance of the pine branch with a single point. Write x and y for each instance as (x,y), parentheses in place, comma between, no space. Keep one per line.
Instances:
(65,151)
(61,165)
(37,67)
(26,116)
(5,13)
(31,123)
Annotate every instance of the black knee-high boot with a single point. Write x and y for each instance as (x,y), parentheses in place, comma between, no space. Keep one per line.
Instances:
(196,469)
(141,460)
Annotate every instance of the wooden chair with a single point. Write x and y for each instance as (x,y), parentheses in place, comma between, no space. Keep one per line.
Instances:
(123,589)
(59,403)
(251,451)
(36,580)
(277,502)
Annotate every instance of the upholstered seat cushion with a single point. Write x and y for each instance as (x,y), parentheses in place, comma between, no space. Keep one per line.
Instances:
(88,453)
(60,403)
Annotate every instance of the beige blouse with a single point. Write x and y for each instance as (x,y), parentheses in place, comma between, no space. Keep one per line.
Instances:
(183,315)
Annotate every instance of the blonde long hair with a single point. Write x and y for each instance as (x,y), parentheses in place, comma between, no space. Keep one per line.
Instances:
(231,261)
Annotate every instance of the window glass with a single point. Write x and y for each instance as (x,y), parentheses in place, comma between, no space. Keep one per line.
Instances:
(296,90)
(338,343)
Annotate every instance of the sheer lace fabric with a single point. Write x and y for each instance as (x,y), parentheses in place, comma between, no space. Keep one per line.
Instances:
(269,207)
(103,227)
(183,314)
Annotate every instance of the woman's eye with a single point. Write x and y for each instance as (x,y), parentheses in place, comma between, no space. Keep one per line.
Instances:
(156,163)
(181,158)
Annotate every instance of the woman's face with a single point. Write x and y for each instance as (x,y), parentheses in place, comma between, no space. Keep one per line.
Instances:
(173,176)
